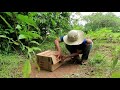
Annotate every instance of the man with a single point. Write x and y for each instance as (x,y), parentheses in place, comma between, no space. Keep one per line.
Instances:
(76,44)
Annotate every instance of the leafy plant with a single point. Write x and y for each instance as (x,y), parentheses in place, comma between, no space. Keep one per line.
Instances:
(5,21)
(99,20)
(28,20)
(26,69)
(116,56)
(101,35)
(9,65)
(97,59)
(21,29)
(115,74)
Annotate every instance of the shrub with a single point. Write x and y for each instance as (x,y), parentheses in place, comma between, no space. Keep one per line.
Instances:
(98,59)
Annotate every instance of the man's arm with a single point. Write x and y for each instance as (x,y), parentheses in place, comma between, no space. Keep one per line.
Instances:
(72,55)
(89,41)
(57,46)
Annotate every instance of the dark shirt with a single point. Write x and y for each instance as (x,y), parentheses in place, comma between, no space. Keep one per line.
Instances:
(75,47)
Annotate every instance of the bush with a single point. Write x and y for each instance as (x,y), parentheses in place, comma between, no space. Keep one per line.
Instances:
(100,34)
(98,59)
(25,31)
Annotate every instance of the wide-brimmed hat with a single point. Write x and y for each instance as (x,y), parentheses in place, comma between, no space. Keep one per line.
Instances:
(74,37)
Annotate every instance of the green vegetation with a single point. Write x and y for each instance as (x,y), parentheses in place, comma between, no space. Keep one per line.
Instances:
(9,65)
(27,69)
(23,34)
(100,20)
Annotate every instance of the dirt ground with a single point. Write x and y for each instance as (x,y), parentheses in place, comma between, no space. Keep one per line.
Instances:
(65,71)
(60,72)
(71,70)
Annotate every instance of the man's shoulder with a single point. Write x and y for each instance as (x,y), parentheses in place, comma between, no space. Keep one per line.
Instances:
(61,38)
(89,40)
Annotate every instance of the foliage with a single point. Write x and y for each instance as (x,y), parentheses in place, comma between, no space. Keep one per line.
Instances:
(115,74)
(26,69)
(99,20)
(9,66)
(75,18)
(116,37)
(24,31)
(116,56)
(53,22)
(78,27)
(101,34)
(98,59)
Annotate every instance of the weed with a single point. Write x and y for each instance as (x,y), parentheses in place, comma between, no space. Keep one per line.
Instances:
(9,65)
(98,59)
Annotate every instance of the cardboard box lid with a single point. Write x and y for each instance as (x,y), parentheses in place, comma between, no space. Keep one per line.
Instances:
(50,53)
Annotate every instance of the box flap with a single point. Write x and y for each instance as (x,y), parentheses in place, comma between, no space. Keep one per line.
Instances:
(54,59)
(50,53)
(44,53)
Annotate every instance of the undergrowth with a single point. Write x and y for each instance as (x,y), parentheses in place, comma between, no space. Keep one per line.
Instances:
(9,65)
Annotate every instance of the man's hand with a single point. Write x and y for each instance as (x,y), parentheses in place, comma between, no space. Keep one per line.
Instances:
(64,57)
(58,55)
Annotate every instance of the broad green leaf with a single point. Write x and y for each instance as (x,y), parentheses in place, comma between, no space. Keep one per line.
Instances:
(22,46)
(11,30)
(16,43)
(29,55)
(21,36)
(116,74)
(35,42)
(33,35)
(26,69)
(38,67)
(36,48)
(114,63)
(25,35)
(42,20)
(6,32)
(31,14)
(3,36)
(18,27)
(53,22)
(5,21)
(9,14)
(29,35)
(29,49)
(28,20)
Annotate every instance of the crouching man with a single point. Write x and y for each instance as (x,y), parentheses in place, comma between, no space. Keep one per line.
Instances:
(76,44)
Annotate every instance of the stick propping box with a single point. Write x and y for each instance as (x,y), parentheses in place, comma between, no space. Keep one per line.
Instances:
(48,61)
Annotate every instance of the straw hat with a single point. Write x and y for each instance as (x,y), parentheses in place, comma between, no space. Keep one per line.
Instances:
(74,37)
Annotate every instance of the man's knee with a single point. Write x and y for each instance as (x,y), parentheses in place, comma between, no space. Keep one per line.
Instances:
(88,48)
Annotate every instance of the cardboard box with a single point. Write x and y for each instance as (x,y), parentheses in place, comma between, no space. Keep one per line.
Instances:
(47,60)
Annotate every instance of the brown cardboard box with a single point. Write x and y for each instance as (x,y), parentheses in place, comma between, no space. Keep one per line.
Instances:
(47,60)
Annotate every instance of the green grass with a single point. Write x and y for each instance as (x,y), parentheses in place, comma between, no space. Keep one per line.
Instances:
(116,34)
(98,59)
(102,59)
(9,65)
